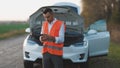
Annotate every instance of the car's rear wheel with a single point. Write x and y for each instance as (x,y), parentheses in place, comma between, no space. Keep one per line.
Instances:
(28,64)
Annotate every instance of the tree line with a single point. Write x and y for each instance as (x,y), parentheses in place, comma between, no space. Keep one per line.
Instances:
(101,9)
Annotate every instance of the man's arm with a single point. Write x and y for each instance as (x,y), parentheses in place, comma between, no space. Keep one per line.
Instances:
(60,39)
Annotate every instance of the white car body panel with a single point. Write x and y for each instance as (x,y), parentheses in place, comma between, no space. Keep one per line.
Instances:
(98,43)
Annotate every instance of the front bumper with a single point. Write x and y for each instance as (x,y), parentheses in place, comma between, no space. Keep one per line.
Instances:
(76,54)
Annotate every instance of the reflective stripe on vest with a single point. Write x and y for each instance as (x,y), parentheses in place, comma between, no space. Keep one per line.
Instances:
(51,47)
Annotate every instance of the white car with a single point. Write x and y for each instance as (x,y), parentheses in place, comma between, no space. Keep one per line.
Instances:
(79,45)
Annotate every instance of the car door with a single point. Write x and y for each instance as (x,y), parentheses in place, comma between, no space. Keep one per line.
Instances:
(98,39)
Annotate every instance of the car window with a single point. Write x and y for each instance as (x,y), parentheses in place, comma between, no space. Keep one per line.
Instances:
(99,25)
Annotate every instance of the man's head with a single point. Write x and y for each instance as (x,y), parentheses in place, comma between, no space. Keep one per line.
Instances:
(48,15)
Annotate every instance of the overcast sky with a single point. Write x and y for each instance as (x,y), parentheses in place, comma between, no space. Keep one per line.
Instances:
(22,9)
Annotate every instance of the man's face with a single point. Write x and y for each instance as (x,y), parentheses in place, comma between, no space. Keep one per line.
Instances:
(48,17)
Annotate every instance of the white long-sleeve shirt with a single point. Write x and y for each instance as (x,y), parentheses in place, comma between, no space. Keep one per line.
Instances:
(59,39)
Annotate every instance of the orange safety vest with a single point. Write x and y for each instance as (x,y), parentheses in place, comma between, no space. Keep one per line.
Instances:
(52,47)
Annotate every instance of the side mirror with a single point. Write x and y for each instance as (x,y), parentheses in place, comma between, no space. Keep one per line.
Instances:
(27,30)
(92,32)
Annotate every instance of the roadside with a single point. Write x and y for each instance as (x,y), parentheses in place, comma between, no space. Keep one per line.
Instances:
(112,60)
(11,52)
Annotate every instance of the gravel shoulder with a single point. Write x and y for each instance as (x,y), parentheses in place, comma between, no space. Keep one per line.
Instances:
(11,52)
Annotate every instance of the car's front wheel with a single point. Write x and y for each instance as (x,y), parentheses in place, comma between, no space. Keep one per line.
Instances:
(28,64)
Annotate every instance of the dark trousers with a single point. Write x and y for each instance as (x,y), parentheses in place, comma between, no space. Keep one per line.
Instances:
(52,61)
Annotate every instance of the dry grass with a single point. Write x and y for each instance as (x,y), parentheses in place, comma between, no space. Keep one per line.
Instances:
(12,33)
(12,29)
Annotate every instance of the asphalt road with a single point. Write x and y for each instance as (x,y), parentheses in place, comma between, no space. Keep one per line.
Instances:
(11,52)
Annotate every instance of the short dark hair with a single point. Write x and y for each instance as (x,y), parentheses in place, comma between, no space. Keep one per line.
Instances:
(47,10)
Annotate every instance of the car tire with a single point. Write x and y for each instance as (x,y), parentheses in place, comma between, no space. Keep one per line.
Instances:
(28,64)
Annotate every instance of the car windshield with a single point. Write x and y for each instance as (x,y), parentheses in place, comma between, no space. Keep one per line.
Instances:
(73,21)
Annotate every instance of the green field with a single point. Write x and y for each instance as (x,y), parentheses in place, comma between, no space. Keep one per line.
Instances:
(12,29)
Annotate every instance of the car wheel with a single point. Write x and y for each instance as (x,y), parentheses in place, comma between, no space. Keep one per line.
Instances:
(28,64)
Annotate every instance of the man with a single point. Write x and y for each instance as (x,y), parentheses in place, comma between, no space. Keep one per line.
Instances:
(53,38)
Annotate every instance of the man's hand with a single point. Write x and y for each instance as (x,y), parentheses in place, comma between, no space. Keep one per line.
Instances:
(46,37)
(43,37)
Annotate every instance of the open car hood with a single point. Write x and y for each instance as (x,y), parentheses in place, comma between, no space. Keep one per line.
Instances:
(73,21)
(64,13)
